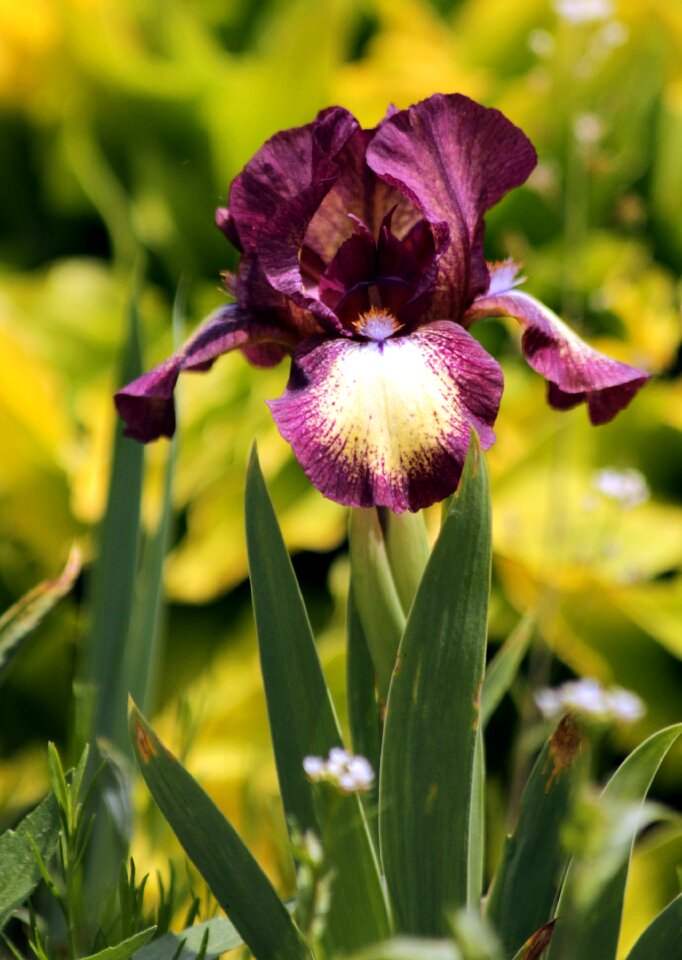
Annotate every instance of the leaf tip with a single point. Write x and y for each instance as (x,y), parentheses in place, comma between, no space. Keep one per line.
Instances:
(536,944)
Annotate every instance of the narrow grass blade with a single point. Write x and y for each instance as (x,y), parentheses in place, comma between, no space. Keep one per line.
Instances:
(593,892)
(504,666)
(144,647)
(364,713)
(662,937)
(19,870)
(427,763)
(363,707)
(125,949)
(534,859)
(303,723)
(376,596)
(103,670)
(477,826)
(186,945)
(212,844)
(24,616)
(116,567)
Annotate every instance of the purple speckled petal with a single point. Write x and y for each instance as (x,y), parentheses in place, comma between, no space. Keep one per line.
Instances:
(286,167)
(576,372)
(147,405)
(454,159)
(387,422)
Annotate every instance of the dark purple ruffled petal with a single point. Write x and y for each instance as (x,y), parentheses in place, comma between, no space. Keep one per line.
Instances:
(358,194)
(147,405)
(226,225)
(387,422)
(454,159)
(576,372)
(288,165)
(276,195)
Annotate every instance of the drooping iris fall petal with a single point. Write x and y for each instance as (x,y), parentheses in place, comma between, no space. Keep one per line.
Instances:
(387,421)
(146,404)
(575,371)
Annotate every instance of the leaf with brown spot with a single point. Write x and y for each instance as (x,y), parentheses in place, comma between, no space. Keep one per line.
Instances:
(536,944)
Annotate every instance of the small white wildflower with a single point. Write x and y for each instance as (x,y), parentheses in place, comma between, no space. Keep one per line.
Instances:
(337,762)
(585,696)
(624,704)
(541,42)
(361,771)
(626,487)
(314,767)
(351,774)
(588,129)
(548,702)
(583,11)
(590,699)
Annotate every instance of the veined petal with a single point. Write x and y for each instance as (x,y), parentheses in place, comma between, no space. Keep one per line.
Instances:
(285,169)
(274,198)
(147,405)
(387,422)
(576,372)
(360,193)
(454,159)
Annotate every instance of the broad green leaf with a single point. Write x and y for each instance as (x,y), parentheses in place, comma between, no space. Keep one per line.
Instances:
(303,723)
(222,936)
(376,595)
(594,889)
(427,763)
(662,938)
(19,871)
(25,615)
(125,949)
(529,876)
(503,668)
(212,844)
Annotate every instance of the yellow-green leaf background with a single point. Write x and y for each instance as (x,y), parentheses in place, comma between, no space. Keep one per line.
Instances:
(122,123)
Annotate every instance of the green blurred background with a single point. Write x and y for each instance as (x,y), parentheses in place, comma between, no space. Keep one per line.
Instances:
(122,123)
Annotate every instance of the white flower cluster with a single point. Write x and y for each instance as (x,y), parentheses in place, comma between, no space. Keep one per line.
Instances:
(591,700)
(351,774)
(584,11)
(626,487)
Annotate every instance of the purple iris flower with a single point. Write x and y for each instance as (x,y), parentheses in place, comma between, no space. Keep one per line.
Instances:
(362,258)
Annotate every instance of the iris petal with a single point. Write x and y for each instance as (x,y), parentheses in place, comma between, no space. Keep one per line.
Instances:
(147,405)
(454,159)
(576,372)
(358,192)
(388,422)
